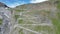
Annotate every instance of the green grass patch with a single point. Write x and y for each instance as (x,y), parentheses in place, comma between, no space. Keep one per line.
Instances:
(20,21)
(29,22)
(19,10)
(56,23)
(47,28)
(37,28)
(1,21)
(58,5)
(21,31)
(17,16)
(58,14)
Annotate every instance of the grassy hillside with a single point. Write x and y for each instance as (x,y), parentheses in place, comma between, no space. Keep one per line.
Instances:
(39,13)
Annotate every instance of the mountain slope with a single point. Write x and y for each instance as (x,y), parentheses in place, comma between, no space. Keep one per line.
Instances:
(36,18)
(36,6)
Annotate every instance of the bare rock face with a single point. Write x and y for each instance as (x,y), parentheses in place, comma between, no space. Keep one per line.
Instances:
(6,15)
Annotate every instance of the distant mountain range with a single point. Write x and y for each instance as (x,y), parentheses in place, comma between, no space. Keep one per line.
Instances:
(36,6)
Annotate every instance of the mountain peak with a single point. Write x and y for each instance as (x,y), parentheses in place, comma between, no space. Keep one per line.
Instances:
(3,5)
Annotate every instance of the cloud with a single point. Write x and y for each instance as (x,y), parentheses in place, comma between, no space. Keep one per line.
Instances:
(14,3)
(37,1)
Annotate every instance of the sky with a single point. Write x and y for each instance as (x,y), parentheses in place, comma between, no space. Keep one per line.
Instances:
(14,3)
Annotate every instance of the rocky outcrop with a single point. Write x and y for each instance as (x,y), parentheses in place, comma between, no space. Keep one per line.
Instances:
(6,18)
(3,5)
